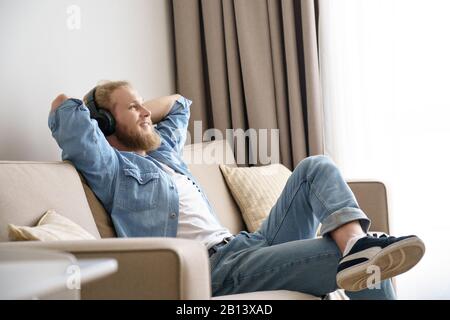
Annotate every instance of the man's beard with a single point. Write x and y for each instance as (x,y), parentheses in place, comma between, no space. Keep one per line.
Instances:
(138,140)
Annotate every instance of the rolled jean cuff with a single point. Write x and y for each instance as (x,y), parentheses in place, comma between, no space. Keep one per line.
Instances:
(343,216)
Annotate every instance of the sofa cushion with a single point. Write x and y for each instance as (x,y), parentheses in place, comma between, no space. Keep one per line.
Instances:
(256,189)
(101,217)
(52,226)
(31,188)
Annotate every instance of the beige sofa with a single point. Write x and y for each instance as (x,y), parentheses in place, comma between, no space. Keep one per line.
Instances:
(148,268)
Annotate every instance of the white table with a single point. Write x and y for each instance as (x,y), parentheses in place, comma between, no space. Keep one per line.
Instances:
(46,274)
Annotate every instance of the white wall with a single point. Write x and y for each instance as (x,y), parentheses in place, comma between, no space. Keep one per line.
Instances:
(40,57)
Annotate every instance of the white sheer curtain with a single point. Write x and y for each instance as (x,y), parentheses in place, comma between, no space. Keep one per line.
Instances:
(385,68)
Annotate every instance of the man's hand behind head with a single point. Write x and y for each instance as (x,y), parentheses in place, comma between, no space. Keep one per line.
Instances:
(59,100)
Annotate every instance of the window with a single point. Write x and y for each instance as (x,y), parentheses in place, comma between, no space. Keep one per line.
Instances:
(385,67)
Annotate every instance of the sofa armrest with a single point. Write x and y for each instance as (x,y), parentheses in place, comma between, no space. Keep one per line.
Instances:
(372,199)
(148,268)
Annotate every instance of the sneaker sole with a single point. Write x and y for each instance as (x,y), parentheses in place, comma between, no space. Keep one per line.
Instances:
(393,260)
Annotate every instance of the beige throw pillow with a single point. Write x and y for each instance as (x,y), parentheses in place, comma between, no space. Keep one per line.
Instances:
(256,189)
(52,226)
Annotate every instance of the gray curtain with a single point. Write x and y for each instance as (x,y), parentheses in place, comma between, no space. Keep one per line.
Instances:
(252,64)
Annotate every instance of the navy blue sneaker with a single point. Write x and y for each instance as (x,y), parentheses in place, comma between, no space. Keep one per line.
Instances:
(390,255)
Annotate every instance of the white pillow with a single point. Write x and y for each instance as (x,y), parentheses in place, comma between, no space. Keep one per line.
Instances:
(52,226)
(256,190)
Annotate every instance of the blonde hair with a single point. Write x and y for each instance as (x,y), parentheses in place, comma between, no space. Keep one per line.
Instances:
(103,93)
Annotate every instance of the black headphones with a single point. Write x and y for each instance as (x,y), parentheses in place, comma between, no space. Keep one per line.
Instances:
(104,118)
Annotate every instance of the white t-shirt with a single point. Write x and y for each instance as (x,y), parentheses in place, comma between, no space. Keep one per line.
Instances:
(195,221)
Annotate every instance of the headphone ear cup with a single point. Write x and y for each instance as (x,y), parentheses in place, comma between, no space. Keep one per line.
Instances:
(91,105)
(106,122)
(104,118)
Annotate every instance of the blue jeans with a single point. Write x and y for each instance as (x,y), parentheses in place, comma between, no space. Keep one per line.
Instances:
(285,254)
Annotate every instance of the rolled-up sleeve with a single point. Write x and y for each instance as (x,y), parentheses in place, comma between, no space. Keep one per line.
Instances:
(173,128)
(83,143)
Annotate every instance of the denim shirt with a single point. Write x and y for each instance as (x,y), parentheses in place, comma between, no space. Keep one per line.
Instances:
(138,194)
